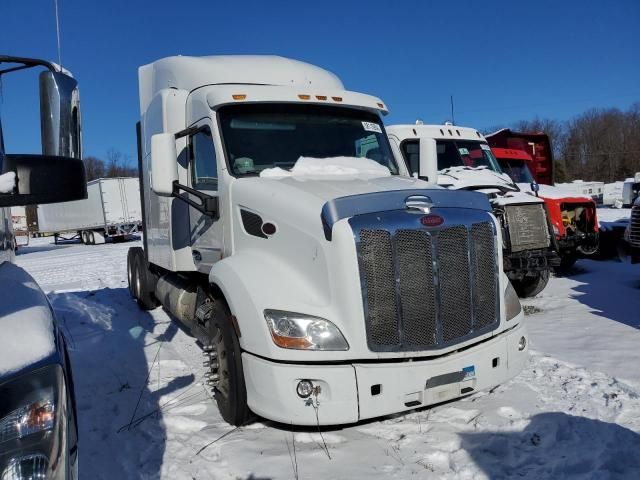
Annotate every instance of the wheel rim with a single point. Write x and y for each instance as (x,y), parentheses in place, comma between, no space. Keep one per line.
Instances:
(222,367)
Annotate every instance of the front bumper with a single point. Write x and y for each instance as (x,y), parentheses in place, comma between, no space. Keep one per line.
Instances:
(353,392)
(518,264)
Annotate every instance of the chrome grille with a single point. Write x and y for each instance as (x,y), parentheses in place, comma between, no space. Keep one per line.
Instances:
(426,288)
(455,291)
(484,273)
(634,227)
(527,226)
(417,293)
(377,263)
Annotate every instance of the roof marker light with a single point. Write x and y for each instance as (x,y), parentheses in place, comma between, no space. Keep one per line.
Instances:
(238,96)
(321,97)
(304,97)
(381,105)
(337,99)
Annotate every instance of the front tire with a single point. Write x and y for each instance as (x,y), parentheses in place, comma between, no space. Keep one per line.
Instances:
(230,390)
(531,286)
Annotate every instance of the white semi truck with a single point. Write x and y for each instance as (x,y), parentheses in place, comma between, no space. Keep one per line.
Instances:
(324,287)
(111,211)
(459,158)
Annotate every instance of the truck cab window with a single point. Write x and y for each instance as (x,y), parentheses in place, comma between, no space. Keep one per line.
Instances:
(465,153)
(411,153)
(202,156)
(258,137)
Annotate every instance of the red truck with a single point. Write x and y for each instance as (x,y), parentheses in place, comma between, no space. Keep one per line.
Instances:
(527,158)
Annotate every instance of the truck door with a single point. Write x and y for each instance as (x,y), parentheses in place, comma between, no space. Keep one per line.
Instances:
(206,232)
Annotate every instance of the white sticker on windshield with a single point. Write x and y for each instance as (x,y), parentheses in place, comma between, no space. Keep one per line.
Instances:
(371,127)
(463,151)
(486,147)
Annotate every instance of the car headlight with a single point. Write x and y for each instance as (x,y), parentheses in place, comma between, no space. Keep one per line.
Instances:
(303,332)
(33,419)
(511,302)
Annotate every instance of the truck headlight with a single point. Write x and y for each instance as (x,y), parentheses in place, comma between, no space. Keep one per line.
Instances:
(511,302)
(33,419)
(303,332)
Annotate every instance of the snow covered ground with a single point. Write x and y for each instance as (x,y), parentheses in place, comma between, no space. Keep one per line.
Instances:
(144,413)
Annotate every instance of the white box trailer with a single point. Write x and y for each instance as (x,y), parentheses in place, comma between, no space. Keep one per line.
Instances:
(111,210)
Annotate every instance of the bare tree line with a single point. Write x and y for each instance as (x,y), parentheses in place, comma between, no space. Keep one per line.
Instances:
(115,165)
(599,144)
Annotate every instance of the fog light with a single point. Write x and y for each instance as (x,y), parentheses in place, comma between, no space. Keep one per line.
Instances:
(522,343)
(304,388)
(29,467)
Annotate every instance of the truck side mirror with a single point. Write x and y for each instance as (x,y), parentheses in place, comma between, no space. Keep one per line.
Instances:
(60,115)
(428,160)
(42,179)
(164,163)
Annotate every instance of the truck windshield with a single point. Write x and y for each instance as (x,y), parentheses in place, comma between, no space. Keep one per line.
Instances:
(261,136)
(465,153)
(518,170)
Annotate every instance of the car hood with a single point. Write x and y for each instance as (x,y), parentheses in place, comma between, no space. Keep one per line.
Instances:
(26,321)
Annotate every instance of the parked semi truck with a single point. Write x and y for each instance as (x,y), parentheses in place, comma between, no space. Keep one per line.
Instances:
(459,158)
(630,247)
(111,211)
(38,428)
(573,216)
(324,287)
(630,190)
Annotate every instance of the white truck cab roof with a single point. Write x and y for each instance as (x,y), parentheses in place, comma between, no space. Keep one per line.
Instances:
(438,132)
(249,78)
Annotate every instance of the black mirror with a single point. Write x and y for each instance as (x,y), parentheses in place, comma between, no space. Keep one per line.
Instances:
(43,179)
(535,187)
(60,115)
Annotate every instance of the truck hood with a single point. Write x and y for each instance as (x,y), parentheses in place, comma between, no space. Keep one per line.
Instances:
(26,321)
(555,193)
(310,193)
(487,181)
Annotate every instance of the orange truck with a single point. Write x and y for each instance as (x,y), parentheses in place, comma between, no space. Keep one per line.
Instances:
(528,159)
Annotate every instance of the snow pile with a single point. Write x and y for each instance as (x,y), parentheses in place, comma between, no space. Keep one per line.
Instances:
(473,176)
(7,182)
(26,324)
(574,411)
(330,167)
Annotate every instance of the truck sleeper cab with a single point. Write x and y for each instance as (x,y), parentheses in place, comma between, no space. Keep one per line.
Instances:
(325,288)
(460,159)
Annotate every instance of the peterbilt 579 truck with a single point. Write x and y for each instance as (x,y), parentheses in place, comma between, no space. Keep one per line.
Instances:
(38,423)
(324,287)
(459,158)
(527,159)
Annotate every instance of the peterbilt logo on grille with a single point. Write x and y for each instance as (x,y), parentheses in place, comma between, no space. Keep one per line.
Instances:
(431,220)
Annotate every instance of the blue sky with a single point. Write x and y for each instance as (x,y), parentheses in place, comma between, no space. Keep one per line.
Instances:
(501,60)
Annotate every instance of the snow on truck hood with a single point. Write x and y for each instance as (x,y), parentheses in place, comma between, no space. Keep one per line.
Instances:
(26,321)
(331,167)
(463,177)
(458,178)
